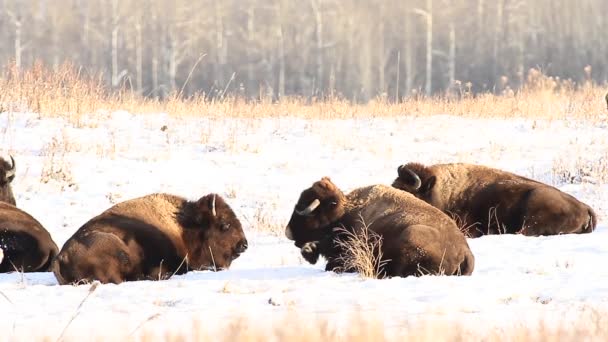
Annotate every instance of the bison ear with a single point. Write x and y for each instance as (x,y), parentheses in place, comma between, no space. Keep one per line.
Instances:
(409,177)
(428,184)
(191,215)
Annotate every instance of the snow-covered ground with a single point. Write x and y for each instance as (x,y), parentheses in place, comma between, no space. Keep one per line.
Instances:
(70,170)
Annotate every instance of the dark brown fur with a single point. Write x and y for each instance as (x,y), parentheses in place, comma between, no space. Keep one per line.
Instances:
(489,201)
(416,237)
(7,175)
(152,237)
(27,246)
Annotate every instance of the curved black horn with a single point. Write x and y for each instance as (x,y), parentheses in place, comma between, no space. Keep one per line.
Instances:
(311,207)
(11,172)
(417,182)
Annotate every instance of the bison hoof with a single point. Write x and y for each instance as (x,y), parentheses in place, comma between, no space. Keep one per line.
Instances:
(310,252)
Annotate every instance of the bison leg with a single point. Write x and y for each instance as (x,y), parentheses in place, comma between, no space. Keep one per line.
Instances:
(310,252)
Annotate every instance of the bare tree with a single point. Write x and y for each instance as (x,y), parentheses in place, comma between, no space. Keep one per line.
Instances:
(350,48)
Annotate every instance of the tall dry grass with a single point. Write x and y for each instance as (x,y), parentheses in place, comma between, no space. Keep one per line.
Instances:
(69,92)
(362,251)
(591,325)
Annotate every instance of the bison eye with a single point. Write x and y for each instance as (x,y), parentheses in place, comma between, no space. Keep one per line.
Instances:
(225,226)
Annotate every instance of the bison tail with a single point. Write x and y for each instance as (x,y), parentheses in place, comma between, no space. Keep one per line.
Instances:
(59,269)
(467,266)
(47,266)
(592,223)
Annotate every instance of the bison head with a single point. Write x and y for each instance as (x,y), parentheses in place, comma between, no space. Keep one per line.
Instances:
(7,174)
(416,179)
(213,233)
(317,207)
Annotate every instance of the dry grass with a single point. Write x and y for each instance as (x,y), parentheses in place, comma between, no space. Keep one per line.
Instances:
(55,166)
(70,93)
(580,169)
(264,219)
(590,326)
(362,251)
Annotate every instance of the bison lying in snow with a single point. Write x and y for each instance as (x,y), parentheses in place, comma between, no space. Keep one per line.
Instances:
(416,238)
(7,175)
(26,245)
(152,237)
(491,201)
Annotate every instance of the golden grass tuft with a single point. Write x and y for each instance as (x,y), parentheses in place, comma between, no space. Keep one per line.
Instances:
(580,169)
(592,325)
(70,92)
(361,251)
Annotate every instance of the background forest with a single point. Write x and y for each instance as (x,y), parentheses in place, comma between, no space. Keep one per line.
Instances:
(312,48)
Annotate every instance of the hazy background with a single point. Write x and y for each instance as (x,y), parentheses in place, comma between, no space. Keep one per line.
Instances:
(351,48)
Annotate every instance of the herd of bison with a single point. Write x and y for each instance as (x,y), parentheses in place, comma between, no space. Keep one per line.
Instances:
(422,221)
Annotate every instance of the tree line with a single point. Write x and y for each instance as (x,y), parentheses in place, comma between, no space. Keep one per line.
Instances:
(356,49)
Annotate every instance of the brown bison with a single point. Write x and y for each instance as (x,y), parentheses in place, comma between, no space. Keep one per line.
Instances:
(152,237)
(416,238)
(26,245)
(490,201)
(7,175)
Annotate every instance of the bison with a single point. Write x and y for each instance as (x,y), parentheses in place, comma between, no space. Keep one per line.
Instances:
(26,245)
(152,237)
(489,201)
(416,238)
(7,175)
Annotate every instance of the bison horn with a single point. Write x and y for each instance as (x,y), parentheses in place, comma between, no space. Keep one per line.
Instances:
(11,172)
(311,207)
(213,212)
(417,181)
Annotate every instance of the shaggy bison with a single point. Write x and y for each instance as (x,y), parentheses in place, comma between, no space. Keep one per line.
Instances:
(26,245)
(416,238)
(490,201)
(7,175)
(152,237)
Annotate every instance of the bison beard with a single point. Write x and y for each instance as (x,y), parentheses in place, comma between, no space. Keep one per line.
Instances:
(416,238)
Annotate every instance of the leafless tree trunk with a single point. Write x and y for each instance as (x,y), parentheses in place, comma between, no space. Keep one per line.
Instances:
(409,59)
(281,46)
(17,42)
(316,8)
(219,43)
(139,57)
(428,16)
(250,43)
(115,21)
(452,57)
(18,47)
